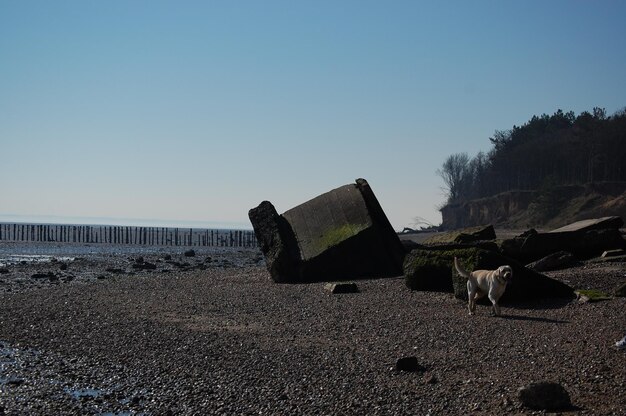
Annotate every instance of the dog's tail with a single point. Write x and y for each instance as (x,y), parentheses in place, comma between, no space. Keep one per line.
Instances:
(460,269)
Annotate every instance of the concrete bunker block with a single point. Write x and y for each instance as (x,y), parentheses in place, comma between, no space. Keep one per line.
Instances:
(340,235)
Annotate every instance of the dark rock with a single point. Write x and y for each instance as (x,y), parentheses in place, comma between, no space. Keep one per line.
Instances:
(167,257)
(190,253)
(555,261)
(341,288)
(139,260)
(424,270)
(4,270)
(528,233)
(342,234)
(15,381)
(431,379)
(101,276)
(409,245)
(409,364)
(42,275)
(485,245)
(465,235)
(432,270)
(621,291)
(582,244)
(144,266)
(592,224)
(545,396)
(63,266)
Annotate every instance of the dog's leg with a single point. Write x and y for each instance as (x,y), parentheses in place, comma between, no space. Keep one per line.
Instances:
(471,294)
(494,301)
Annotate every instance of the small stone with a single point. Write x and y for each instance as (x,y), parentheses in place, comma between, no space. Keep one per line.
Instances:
(42,275)
(583,298)
(341,288)
(139,260)
(167,257)
(190,253)
(431,379)
(14,381)
(63,266)
(144,266)
(409,364)
(545,396)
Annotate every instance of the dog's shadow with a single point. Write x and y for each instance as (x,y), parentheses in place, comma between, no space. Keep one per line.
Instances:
(532,319)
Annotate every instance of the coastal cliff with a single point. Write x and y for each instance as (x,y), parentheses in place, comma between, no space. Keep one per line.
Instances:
(551,207)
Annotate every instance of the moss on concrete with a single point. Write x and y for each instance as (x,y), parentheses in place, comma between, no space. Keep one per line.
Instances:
(334,236)
(593,295)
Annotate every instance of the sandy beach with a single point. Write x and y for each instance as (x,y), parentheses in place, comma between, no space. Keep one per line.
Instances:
(211,334)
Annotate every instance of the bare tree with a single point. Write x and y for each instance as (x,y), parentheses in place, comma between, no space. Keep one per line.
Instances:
(454,172)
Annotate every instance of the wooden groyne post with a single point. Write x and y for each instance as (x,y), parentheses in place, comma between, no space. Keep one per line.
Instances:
(113,234)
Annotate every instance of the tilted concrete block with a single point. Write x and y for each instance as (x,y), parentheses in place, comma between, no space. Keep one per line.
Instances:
(341,234)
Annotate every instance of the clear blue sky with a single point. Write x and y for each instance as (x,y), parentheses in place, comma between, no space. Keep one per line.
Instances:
(199,110)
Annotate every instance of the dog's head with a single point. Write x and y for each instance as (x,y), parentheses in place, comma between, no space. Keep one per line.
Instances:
(505,273)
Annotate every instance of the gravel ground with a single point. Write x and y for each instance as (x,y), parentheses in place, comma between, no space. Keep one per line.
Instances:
(218,337)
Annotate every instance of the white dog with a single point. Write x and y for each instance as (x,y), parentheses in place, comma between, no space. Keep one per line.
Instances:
(485,282)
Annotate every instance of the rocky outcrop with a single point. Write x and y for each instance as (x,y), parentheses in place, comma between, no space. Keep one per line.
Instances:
(432,270)
(582,240)
(342,234)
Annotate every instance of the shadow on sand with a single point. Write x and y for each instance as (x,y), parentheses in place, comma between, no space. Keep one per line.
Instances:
(533,319)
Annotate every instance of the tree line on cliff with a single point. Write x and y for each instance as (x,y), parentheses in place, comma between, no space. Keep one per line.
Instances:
(548,150)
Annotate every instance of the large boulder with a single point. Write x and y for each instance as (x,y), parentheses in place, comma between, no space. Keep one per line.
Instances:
(592,224)
(582,242)
(339,235)
(555,261)
(433,270)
